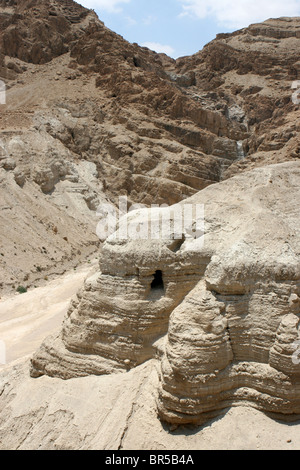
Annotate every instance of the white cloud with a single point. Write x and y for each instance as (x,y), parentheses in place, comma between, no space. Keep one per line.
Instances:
(130,21)
(111,6)
(160,48)
(150,19)
(241,13)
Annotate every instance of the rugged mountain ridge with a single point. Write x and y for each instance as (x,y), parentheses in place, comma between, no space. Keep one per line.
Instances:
(255,69)
(167,332)
(113,118)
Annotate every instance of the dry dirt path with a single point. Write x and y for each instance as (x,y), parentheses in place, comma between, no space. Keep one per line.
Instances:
(26,319)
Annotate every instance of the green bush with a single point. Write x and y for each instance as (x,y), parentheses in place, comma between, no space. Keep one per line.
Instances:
(21,290)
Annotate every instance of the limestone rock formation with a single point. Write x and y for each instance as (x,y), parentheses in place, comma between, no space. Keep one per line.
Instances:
(145,125)
(118,412)
(213,319)
(220,312)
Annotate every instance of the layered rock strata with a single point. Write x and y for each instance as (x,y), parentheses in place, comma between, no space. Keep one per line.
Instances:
(82,101)
(220,311)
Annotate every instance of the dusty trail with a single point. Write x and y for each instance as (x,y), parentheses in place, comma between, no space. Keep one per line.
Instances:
(26,319)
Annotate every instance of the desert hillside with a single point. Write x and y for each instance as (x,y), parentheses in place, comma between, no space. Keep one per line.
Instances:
(176,342)
(90,117)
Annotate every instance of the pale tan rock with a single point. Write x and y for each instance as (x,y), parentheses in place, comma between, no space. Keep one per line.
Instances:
(156,129)
(138,123)
(223,312)
(252,275)
(118,412)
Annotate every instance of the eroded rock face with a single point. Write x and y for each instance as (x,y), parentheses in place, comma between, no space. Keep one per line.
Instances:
(120,313)
(156,129)
(222,317)
(40,30)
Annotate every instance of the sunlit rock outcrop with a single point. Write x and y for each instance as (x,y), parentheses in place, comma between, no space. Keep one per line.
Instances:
(219,311)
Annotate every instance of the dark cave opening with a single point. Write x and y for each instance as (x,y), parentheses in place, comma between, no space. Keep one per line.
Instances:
(157,282)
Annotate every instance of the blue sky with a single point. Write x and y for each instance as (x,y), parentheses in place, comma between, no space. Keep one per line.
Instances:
(183,27)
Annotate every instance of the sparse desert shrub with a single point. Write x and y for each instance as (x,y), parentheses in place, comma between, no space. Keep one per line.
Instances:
(21,289)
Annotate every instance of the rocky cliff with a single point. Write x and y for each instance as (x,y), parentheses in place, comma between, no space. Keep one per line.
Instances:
(212,315)
(89,117)
(220,312)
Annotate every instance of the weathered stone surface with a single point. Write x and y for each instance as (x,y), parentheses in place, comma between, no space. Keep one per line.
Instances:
(225,316)
(118,412)
(90,117)
(156,129)
(40,30)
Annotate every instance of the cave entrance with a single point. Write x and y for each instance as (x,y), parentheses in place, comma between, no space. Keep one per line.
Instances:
(157,282)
